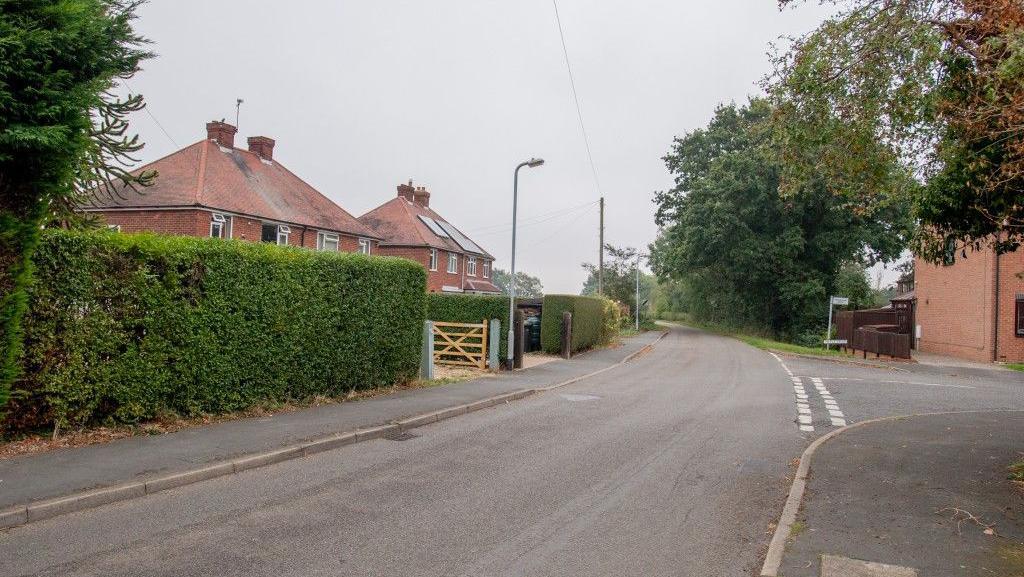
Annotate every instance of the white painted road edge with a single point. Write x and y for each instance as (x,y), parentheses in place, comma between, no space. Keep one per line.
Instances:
(39,510)
(777,546)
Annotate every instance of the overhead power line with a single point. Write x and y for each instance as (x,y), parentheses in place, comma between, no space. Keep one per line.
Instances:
(576,98)
(543,217)
(150,113)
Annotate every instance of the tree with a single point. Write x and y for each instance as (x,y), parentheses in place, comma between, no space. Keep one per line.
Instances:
(940,84)
(749,256)
(619,283)
(63,133)
(526,286)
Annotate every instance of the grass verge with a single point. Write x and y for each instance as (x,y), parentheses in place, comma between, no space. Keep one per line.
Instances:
(1015,366)
(764,343)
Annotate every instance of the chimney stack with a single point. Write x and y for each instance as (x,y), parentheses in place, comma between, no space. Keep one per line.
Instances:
(221,132)
(262,147)
(407,192)
(421,196)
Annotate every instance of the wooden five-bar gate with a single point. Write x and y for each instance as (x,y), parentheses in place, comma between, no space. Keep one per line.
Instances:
(462,344)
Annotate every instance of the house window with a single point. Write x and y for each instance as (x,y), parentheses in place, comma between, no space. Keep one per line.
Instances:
(453,263)
(471,266)
(487,269)
(326,241)
(276,233)
(364,245)
(433,259)
(949,252)
(114,227)
(218,226)
(1019,316)
(269,233)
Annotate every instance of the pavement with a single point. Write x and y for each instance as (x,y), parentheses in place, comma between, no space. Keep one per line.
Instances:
(927,494)
(35,477)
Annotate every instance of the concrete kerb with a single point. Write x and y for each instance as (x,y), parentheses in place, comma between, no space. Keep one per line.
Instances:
(36,511)
(777,546)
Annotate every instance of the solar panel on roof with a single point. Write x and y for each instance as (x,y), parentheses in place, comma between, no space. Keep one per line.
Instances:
(433,226)
(460,238)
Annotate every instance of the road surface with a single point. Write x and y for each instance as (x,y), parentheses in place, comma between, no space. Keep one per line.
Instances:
(673,464)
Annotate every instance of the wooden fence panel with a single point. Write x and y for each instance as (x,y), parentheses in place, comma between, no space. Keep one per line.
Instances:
(463,344)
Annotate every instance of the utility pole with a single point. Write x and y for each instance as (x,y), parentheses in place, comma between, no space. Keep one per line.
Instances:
(600,256)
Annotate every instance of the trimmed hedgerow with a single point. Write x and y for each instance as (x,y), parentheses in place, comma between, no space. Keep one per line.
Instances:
(588,322)
(463,308)
(123,328)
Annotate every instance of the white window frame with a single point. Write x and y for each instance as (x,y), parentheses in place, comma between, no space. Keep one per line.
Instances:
(453,263)
(433,259)
(487,269)
(114,227)
(325,239)
(365,245)
(283,230)
(471,265)
(218,222)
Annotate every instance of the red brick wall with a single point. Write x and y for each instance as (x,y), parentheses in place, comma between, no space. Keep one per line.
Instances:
(440,277)
(956,306)
(191,222)
(196,222)
(1011,347)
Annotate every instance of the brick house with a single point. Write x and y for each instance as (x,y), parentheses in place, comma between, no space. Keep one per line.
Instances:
(409,228)
(972,307)
(212,189)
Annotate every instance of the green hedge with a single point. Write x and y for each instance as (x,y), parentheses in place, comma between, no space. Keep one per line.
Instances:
(589,327)
(123,328)
(462,308)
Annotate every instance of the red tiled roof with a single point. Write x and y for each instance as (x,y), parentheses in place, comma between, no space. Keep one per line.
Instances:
(397,222)
(238,181)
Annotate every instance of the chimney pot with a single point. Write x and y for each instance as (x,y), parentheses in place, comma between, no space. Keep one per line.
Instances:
(221,132)
(406,191)
(421,196)
(262,147)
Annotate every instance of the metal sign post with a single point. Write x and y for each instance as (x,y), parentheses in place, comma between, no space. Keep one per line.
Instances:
(834,301)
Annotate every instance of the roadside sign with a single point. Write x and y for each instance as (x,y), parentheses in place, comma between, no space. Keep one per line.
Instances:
(840,301)
(835,341)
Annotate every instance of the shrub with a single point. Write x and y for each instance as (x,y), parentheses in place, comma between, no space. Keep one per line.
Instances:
(123,328)
(462,308)
(588,322)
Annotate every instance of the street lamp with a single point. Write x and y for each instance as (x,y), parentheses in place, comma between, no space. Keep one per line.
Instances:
(510,353)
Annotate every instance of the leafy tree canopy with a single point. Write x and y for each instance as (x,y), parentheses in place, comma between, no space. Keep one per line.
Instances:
(933,86)
(526,286)
(749,256)
(619,282)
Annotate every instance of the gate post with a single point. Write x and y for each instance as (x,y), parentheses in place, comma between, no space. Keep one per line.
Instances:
(494,344)
(566,334)
(520,344)
(427,357)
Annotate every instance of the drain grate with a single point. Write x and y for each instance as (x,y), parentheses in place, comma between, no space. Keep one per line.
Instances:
(400,435)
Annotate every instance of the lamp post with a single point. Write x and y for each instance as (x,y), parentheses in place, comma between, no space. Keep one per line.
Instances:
(510,353)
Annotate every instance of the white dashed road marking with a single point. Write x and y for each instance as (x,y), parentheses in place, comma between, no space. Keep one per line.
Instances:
(803,406)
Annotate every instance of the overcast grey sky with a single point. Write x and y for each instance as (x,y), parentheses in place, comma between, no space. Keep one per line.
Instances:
(363,95)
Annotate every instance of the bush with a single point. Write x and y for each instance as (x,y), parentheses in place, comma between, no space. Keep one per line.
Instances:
(613,320)
(462,308)
(123,328)
(588,322)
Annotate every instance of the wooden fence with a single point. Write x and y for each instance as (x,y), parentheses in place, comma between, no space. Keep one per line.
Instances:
(463,344)
(879,331)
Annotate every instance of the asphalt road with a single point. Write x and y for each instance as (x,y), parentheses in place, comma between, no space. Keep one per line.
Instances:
(674,464)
